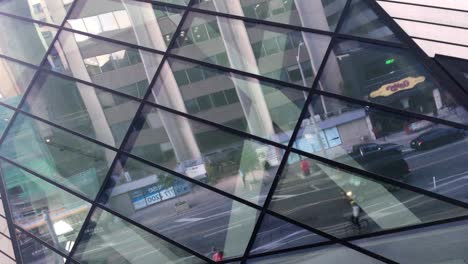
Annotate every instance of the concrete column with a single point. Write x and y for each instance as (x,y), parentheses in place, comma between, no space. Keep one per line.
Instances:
(166,91)
(312,15)
(241,56)
(89,96)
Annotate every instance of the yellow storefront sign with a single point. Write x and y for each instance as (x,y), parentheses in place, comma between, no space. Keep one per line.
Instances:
(401,85)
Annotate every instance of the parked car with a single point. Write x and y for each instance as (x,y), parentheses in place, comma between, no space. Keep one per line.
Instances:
(384,159)
(437,137)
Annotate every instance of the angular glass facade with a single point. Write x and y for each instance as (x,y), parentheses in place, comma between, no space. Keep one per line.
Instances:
(233,131)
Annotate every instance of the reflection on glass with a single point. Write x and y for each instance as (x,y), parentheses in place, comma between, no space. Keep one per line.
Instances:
(362,21)
(330,254)
(398,147)
(131,21)
(92,112)
(29,46)
(239,102)
(276,234)
(5,116)
(109,239)
(177,208)
(114,66)
(43,209)
(236,165)
(391,77)
(345,204)
(437,244)
(62,157)
(34,252)
(315,14)
(50,11)
(15,79)
(276,53)
(177,2)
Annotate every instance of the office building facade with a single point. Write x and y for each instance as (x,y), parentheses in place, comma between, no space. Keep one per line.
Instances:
(227,131)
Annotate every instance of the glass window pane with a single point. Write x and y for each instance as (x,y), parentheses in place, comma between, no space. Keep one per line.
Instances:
(137,21)
(109,239)
(330,254)
(240,40)
(29,46)
(46,211)
(104,63)
(270,111)
(234,164)
(89,111)
(5,117)
(51,11)
(173,207)
(315,14)
(177,2)
(108,22)
(34,252)
(62,157)
(391,77)
(436,244)
(93,25)
(362,21)
(457,68)
(345,204)
(276,234)
(418,152)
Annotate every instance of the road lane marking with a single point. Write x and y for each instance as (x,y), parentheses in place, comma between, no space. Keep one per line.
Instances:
(190,220)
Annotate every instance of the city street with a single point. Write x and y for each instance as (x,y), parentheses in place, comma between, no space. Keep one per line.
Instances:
(448,164)
(315,200)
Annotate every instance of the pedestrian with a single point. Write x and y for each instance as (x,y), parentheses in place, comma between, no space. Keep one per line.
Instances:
(305,168)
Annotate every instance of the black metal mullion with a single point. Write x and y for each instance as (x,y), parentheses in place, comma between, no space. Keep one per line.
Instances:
(290,148)
(127,136)
(438,73)
(42,242)
(259,77)
(264,210)
(10,124)
(360,102)
(370,175)
(290,145)
(363,236)
(376,177)
(332,238)
(9,220)
(95,204)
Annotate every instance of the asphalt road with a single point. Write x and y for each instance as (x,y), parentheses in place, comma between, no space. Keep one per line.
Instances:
(446,165)
(316,201)
(213,221)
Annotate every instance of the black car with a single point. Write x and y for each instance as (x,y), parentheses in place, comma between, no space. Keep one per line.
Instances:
(384,159)
(437,137)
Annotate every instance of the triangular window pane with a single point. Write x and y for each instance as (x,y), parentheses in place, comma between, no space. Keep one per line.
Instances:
(330,254)
(276,234)
(191,215)
(34,252)
(362,21)
(344,204)
(109,239)
(48,212)
(392,77)
(440,244)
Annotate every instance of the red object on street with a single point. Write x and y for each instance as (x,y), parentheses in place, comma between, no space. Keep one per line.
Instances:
(305,167)
(218,256)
